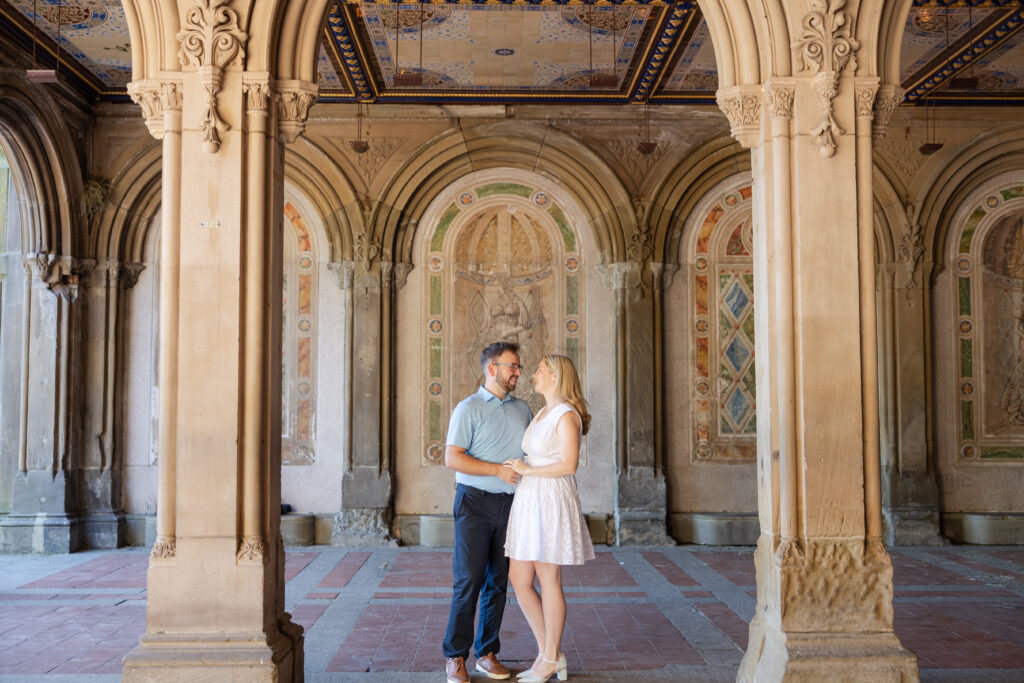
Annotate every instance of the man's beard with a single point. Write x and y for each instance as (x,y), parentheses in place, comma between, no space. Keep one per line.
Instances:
(509,384)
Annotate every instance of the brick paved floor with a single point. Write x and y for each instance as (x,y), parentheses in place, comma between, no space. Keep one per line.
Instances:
(665,614)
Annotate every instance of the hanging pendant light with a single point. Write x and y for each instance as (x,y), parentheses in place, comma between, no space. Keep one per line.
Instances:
(35,74)
(931,145)
(403,78)
(646,145)
(967,82)
(359,145)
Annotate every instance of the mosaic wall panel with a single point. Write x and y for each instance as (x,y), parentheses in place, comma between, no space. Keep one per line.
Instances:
(298,341)
(724,395)
(502,264)
(989,300)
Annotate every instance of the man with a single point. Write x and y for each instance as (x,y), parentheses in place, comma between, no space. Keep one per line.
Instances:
(486,429)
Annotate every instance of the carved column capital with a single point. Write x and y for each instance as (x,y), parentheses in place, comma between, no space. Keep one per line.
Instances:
(887,100)
(662,274)
(294,98)
(394,273)
(622,275)
(156,96)
(741,104)
(865,90)
(344,272)
(779,94)
(257,92)
(128,274)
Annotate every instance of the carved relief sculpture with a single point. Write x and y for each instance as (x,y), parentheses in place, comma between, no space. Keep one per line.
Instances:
(826,48)
(210,41)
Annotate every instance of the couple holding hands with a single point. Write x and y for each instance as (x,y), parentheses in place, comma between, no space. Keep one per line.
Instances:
(515,518)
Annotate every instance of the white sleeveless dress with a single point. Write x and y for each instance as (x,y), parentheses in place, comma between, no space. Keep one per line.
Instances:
(546,523)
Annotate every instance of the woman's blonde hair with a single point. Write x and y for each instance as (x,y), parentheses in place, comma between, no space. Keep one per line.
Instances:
(567,385)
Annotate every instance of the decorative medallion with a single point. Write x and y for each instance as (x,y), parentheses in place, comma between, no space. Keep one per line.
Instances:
(303,387)
(466,199)
(572,264)
(504,51)
(963,265)
(305,325)
(965,326)
(703,387)
(731,200)
(435,389)
(305,262)
(967,388)
(435,326)
(968,451)
(541,199)
(434,452)
(992,201)
(572,326)
(703,449)
(701,325)
(700,264)
(435,263)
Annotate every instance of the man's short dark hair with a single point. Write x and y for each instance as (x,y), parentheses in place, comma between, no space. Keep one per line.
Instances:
(493,351)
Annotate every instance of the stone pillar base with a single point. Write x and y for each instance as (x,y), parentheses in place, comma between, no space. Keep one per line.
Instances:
(227,657)
(103,530)
(911,526)
(642,527)
(641,517)
(40,533)
(833,657)
(363,528)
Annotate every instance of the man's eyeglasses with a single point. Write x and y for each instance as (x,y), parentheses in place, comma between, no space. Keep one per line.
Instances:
(514,366)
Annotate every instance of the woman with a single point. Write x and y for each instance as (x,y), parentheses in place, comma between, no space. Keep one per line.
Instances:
(546,527)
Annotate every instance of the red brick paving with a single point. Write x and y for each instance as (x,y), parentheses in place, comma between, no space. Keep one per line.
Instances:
(956,622)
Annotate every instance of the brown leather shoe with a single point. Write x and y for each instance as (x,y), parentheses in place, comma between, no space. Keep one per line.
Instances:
(489,664)
(455,669)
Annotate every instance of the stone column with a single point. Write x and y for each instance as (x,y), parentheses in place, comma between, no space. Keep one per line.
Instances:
(367,491)
(640,496)
(99,471)
(44,509)
(824,579)
(216,574)
(910,492)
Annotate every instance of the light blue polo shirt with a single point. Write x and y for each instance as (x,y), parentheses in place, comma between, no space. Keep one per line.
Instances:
(489,429)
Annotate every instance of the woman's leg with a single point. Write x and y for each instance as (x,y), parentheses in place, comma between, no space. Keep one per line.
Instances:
(520,575)
(550,576)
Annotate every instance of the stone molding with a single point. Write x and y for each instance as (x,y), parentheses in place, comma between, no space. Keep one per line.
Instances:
(163,548)
(826,48)
(210,41)
(662,274)
(252,550)
(831,585)
(622,275)
(373,275)
(741,104)
(61,275)
(865,91)
(294,98)
(257,95)
(887,100)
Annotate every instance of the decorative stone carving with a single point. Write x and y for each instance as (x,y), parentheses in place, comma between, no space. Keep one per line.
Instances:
(623,275)
(395,273)
(210,41)
(826,48)
(639,249)
(155,97)
(778,99)
(128,274)
(252,550)
(294,98)
(662,274)
(257,95)
(835,586)
(886,102)
(638,165)
(163,548)
(865,96)
(741,104)
(381,149)
(912,243)
(344,272)
(367,248)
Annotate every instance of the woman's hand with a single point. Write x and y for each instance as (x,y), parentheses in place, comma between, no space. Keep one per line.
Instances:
(518,466)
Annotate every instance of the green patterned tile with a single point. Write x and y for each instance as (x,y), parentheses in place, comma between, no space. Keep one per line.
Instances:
(967,419)
(435,358)
(572,295)
(435,295)
(1002,453)
(968,233)
(966,358)
(965,295)
(563,226)
(572,349)
(435,421)
(437,241)
(504,188)
(1013,192)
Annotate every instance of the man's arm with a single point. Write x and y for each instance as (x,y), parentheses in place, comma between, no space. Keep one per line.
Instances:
(458,459)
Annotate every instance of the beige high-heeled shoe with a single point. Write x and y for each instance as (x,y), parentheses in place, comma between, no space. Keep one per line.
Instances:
(561,666)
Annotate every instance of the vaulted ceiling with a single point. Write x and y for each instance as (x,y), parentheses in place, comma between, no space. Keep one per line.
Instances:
(954,51)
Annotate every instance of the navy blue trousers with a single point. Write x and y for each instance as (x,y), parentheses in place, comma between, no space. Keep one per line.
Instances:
(480,570)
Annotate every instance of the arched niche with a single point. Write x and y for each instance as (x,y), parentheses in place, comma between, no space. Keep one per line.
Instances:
(709,359)
(499,254)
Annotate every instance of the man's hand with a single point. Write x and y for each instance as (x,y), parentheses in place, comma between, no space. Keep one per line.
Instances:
(517,466)
(508,475)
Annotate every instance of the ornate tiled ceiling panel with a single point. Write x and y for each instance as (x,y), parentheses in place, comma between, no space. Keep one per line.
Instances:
(954,51)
